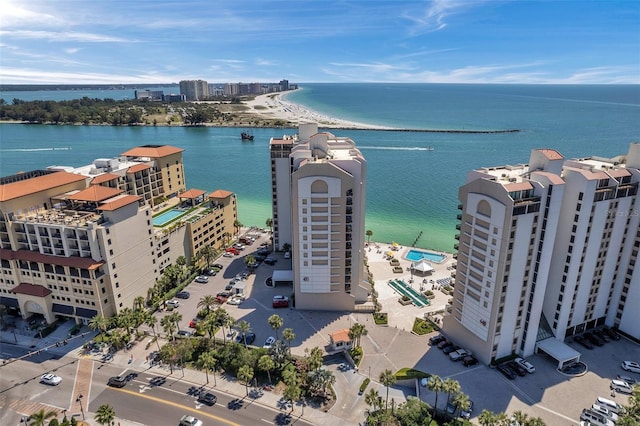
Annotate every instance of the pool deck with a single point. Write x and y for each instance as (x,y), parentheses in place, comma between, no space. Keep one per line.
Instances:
(403,316)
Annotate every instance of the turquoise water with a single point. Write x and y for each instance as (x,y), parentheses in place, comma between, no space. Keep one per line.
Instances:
(411,191)
(167,216)
(417,255)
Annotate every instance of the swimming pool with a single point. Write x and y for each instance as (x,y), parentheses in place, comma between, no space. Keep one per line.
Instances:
(417,255)
(167,216)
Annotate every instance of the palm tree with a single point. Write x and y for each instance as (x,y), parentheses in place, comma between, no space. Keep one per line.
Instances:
(237,225)
(151,320)
(210,325)
(168,325)
(276,322)
(245,374)
(461,402)
(314,358)
(356,331)
(269,223)
(244,328)
(207,361)
(387,378)
(319,379)
(208,254)
(373,399)
(105,414)
(289,336)
(40,417)
(99,323)
(138,303)
(265,363)
(451,387)
(225,238)
(206,302)
(368,233)
(435,384)
(226,320)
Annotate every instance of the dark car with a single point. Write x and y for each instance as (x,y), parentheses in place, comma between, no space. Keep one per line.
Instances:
(594,339)
(611,333)
(270,261)
(517,368)
(208,398)
(450,349)
(217,266)
(183,295)
(250,338)
(469,360)
(443,344)
(434,340)
(117,382)
(507,372)
(582,341)
(601,334)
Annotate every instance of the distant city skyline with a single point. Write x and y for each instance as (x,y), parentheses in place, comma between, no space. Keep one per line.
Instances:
(438,41)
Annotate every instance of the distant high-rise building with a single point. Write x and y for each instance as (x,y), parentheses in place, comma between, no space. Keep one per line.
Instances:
(319,194)
(546,250)
(194,90)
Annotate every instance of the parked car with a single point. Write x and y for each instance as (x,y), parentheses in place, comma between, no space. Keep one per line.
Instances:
(610,405)
(597,408)
(194,323)
(227,254)
(174,303)
(287,255)
(634,367)
(594,339)
(507,371)
(434,340)
(595,418)
(611,333)
(202,279)
(189,421)
(208,398)
(210,272)
(526,365)
(443,344)
(602,335)
(451,348)
(217,266)
(517,368)
(459,354)
(583,341)
(184,333)
(469,361)
(235,300)
(270,260)
(183,295)
(223,296)
(251,337)
(280,301)
(117,381)
(451,408)
(621,386)
(627,379)
(269,342)
(50,379)
(465,414)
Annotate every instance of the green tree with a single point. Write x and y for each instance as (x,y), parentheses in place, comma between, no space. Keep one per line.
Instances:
(244,327)
(207,362)
(40,417)
(208,254)
(151,320)
(245,375)
(356,331)
(207,302)
(99,323)
(276,322)
(436,385)
(373,400)
(369,233)
(461,402)
(169,326)
(387,378)
(105,414)
(250,261)
(289,336)
(451,387)
(269,224)
(314,358)
(265,363)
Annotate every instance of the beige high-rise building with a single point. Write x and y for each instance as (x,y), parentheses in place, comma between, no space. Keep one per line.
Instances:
(194,90)
(86,241)
(546,250)
(319,194)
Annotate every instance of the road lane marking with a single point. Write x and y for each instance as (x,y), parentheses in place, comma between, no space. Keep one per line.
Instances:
(177,405)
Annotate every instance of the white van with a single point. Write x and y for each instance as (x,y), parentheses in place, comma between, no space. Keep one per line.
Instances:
(605,412)
(595,418)
(621,386)
(611,405)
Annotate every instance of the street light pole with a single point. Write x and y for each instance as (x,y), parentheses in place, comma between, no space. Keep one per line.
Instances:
(79,400)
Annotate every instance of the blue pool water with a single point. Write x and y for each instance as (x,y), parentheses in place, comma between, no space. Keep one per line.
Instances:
(417,255)
(167,216)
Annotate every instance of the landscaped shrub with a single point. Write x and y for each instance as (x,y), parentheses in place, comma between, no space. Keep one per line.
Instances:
(410,373)
(364,385)
(380,318)
(356,355)
(421,326)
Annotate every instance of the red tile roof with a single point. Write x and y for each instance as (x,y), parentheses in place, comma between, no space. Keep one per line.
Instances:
(551,154)
(106,177)
(21,188)
(95,193)
(34,256)
(520,186)
(340,336)
(138,168)
(152,151)
(116,203)
(192,193)
(31,290)
(220,193)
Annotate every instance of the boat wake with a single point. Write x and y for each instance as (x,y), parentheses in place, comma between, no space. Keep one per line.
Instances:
(396,148)
(35,149)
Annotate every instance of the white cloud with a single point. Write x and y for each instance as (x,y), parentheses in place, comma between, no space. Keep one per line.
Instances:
(12,15)
(64,36)
(28,76)
(433,18)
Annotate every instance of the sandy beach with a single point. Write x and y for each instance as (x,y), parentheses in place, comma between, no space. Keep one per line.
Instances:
(274,106)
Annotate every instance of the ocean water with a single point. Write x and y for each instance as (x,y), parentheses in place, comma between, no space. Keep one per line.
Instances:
(411,190)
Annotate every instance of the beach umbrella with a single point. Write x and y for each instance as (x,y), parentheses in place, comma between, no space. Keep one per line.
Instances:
(390,253)
(395,244)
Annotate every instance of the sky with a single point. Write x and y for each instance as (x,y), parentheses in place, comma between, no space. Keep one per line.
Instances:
(309,41)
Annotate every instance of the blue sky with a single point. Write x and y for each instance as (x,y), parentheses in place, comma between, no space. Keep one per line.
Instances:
(443,41)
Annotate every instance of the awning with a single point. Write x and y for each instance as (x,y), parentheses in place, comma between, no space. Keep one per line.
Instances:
(9,302)
(86,313)
(62,309)
(422,266)
(559,351)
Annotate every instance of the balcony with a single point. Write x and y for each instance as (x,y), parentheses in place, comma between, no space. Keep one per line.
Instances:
(460,206)
(458,226)
(459,217)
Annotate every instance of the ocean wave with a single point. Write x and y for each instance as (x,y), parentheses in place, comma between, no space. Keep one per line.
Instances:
(396,148)
(35,149)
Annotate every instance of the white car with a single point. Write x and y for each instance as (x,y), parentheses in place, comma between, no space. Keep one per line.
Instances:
(202,279)
(634,367)
(235,300)
(173,303)
(227,254)
(459,354)
(621,386)
(50,379)
(526,365)
(270,341)
(605,412)
(190,421)
(287,255)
